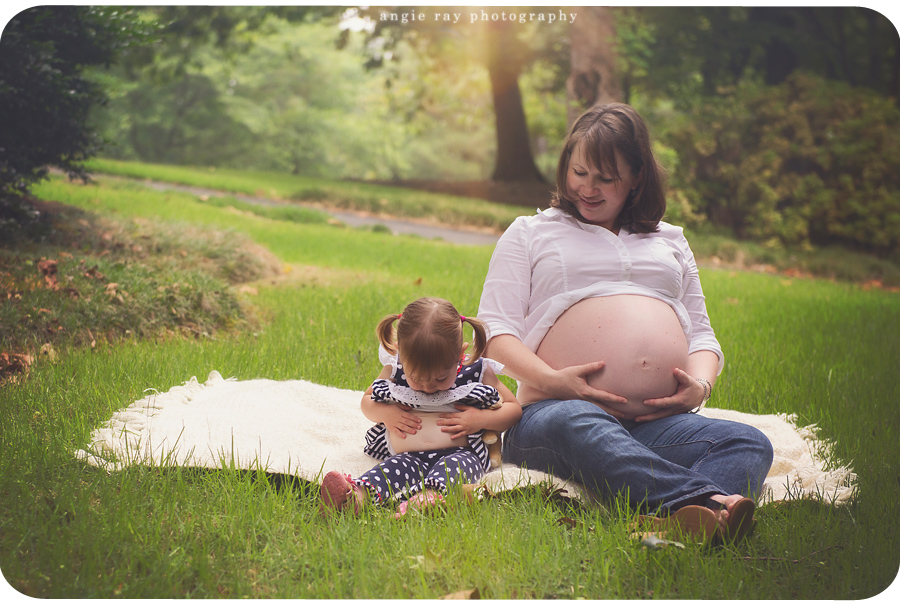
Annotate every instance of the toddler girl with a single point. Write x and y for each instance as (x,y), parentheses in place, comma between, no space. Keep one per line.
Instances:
(431,404)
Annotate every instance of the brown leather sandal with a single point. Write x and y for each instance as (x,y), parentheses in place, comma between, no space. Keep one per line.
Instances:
(740,518)
(694,521)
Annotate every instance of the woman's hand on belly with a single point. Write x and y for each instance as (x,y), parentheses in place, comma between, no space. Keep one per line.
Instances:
(640,341)
(688,396)
(571,383)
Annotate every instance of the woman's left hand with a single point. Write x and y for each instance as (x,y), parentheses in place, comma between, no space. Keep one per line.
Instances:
(688,396)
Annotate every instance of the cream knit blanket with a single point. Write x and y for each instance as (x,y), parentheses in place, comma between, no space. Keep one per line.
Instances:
(305,429)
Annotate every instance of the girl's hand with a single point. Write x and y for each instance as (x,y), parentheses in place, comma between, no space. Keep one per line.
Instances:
(468,420)
(396,417)
(571,383)
(399,421)
(688,396)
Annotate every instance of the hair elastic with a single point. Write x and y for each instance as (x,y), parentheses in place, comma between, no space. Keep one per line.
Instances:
(462,318)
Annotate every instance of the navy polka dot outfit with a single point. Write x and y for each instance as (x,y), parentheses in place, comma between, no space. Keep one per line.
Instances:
(405,474)
(402,475)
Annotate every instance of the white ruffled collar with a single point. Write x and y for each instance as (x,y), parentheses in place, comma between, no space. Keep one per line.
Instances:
(443,398)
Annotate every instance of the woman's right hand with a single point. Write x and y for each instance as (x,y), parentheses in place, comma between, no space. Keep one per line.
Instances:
(571,383)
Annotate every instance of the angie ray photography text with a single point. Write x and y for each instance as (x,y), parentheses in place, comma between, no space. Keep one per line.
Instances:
(478,16)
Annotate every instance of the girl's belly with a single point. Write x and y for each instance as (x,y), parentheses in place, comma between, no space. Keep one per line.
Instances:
(430,437)
(639,338)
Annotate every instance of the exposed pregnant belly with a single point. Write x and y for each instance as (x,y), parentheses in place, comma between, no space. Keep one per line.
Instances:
(639,338)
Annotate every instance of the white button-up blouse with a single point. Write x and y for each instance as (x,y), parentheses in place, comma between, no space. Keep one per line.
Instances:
(545,263)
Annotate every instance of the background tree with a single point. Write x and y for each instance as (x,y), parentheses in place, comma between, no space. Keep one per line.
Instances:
(594,77)
(289,100)
(299,96)
(504,58)
(501,47)
(168,106)
(45,97)
(706,50)
(779,124)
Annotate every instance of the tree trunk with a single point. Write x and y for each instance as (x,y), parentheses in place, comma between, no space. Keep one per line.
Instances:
(594,79)
(514,161)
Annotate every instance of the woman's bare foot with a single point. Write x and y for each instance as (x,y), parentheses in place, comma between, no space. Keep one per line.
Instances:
(735,517)
(722,514)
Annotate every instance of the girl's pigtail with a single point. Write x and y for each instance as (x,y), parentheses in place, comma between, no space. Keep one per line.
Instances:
(385,333)
(479,331)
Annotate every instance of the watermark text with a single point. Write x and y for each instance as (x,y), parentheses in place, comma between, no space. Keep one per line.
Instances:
(483,16)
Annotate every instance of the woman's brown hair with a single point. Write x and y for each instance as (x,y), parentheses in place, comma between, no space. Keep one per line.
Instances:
(607,131)
(429,335)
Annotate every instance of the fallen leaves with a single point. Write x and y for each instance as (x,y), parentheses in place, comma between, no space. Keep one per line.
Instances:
(101,289)
(467,594)
(571,524)
(11,363)
(49,269)
(428,562)
(653,542)
(113,292)
(14,364)
(878,285)
(93,273)
(48,352)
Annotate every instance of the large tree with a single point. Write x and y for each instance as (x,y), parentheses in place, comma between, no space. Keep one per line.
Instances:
(594,77)
(505,59)
(499,44)
(45,97)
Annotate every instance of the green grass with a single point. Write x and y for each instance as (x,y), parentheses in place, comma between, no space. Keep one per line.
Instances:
(825,351)
(830,262)
(836,263)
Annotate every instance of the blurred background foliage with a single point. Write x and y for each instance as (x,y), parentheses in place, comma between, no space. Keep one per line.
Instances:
(775,124)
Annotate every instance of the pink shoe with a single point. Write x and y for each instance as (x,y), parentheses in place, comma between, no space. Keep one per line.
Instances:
(337,490)
(420,503)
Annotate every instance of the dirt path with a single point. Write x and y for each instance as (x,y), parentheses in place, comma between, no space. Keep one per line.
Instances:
(528,195)
(397,226)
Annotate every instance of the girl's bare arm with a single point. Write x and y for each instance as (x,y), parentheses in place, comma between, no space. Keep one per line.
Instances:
(395,417)
(470,419)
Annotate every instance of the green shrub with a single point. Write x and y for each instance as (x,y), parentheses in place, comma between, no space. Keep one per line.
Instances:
(809,161)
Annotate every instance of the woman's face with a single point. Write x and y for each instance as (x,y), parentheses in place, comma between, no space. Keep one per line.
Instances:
(597,196)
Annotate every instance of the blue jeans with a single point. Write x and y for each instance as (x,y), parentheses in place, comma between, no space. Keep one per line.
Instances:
(663,464)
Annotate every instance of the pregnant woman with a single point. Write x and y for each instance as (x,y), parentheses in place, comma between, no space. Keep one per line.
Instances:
(595,307)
